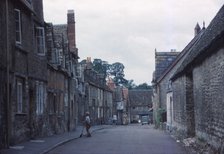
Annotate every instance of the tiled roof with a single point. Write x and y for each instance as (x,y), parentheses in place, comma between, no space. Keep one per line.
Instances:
(214,31)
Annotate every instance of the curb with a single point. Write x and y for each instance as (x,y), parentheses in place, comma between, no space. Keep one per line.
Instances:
(58,144)
(68,140)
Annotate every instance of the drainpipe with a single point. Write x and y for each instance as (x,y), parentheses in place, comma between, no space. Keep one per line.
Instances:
(7,76)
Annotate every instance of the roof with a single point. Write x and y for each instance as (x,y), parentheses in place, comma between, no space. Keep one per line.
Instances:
(184,52)
(214,31)
(140,97)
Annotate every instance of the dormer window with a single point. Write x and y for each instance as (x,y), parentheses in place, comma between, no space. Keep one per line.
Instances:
(18,26)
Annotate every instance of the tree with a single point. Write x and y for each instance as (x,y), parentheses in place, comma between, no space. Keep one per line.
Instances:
(130,84)
(101,67)
(116,71)
(143,86)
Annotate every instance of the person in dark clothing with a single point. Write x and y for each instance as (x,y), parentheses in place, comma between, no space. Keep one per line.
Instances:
(87,124)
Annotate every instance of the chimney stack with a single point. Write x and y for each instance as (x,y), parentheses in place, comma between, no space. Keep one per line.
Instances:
(197,29)
(71,31)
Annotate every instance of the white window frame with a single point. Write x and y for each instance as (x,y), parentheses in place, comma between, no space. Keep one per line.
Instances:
(19,97)
(18,29)
(40,40)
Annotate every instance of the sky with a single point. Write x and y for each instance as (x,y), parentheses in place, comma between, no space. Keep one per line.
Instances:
(129,31)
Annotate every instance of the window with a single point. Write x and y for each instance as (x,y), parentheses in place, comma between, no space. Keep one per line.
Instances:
(19,97)
(52,103)
(40,40)
(18,26)
(55,59)
(40,97)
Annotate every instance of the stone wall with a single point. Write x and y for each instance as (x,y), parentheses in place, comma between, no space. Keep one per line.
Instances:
(3,35)
(2,74)
(179,104)
(198,102)
(57,101)
(209,100)
(162,61)
(2,108)
(190,118)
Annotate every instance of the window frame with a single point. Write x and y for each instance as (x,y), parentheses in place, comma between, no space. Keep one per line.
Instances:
(19,30)
(40,40)
(40,98)
(19,96)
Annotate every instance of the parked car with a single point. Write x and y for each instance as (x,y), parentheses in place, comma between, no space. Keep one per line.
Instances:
(145,120)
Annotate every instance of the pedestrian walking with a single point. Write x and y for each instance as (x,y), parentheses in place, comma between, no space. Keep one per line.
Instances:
(87,124)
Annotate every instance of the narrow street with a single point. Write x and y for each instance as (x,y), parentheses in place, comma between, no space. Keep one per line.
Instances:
(130,139)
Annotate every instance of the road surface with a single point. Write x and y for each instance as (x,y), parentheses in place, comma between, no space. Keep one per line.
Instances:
(130,139)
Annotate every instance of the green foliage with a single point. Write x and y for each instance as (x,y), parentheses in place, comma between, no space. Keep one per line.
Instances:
(101,67)
(130,84)
(116,72)
(143,86)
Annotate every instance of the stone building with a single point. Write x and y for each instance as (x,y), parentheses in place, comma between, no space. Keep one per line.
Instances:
(108,105)
(120,104)
(64,56)
(198,87)
(58,77)
(38,71)
(23,68)
(163,61)
(140,104)
(98,97)
(163,93)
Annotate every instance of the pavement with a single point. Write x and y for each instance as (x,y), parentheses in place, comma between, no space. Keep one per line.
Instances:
(46,144)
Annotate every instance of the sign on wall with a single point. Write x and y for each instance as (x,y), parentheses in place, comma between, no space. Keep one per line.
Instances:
(120,105)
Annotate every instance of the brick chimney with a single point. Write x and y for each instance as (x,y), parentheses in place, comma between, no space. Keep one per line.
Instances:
(71,32)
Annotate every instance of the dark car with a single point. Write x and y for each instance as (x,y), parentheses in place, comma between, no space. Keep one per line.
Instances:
(145,120)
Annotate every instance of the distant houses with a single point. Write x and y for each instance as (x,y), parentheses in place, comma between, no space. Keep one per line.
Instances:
(191,88)
(44,90)
(140,104)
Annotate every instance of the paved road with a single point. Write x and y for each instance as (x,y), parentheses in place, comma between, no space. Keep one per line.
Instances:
(131,139)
